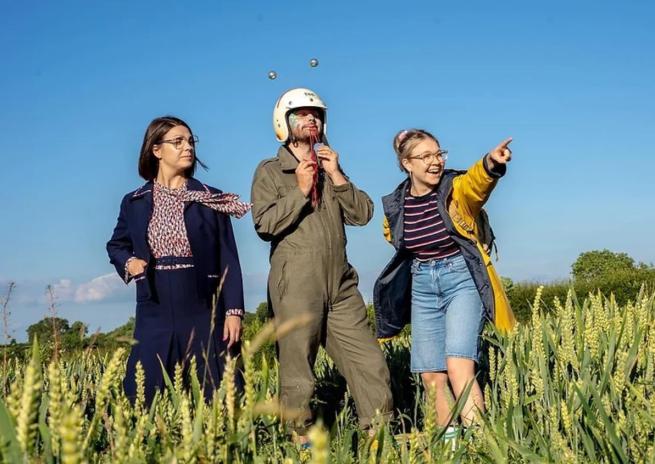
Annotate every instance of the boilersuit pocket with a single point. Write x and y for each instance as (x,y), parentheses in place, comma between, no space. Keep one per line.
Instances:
(350,274)
(355,275)
(282,281)
(284,189)
(277,279)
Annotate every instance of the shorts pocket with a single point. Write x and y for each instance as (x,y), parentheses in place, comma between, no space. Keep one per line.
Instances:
(414,267)
(459,265)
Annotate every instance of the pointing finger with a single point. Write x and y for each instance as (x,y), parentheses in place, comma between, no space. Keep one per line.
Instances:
(505,143)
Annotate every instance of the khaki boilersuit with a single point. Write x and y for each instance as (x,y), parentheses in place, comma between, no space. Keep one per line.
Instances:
(311,274)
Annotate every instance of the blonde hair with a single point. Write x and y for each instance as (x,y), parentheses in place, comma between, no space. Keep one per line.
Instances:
(405,141)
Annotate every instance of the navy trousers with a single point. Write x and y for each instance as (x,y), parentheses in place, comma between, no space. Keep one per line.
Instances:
(172,326)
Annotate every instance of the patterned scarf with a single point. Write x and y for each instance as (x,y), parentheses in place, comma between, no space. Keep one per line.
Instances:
(222,202)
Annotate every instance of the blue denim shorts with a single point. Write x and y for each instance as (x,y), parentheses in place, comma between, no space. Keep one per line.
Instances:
(447,314)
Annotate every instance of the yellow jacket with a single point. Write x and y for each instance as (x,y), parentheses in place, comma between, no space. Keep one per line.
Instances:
(465,193)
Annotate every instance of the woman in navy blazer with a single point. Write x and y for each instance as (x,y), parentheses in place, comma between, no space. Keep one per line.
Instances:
(174,239)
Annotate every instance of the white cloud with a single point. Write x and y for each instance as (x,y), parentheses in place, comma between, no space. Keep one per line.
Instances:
(99,289)
(65,290)
(87,302)
(108,288)
(62,290)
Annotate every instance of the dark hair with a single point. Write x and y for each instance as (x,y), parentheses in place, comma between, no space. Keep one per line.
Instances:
(158,127)
(405,141)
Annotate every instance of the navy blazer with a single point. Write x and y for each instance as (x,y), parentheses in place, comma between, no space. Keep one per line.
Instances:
(210,236)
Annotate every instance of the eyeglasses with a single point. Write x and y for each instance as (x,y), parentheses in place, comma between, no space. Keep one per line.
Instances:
(178,141)
(427,158)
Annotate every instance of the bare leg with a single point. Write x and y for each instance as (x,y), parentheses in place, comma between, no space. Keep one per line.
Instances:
(439,381)
(461,372)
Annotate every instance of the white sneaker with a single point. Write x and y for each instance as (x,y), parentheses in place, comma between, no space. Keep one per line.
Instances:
(450,436)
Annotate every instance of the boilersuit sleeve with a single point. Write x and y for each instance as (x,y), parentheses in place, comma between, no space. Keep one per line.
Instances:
(473,188)
(356,205)
(119,247)
(273,214)
(228,264)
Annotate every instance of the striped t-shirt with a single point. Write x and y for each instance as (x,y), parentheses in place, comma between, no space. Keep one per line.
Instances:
(425,234)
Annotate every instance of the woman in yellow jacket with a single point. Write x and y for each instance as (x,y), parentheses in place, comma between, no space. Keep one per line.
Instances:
(441,278)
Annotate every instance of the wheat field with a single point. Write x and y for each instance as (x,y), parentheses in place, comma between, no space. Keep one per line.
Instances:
(574,384)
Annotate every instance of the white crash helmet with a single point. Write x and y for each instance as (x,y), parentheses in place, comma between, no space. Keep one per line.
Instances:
(291,100)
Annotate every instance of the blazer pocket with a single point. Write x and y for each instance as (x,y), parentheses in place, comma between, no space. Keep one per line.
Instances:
(142,289)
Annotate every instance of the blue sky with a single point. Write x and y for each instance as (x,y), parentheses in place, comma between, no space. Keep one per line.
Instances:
(572,82)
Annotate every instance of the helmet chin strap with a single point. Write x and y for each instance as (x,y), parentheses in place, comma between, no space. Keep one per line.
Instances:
(295,141)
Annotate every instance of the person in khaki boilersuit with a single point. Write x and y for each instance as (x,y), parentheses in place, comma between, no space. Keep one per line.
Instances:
(310,273)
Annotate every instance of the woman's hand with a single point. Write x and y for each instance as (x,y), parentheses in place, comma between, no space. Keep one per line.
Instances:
(232,330)
(501,154)
(136,266)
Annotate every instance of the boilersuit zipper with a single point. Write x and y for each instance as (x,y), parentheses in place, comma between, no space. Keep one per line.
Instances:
(326,220)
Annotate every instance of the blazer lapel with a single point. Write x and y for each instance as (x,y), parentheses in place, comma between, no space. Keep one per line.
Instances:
(142,206)
(193,220)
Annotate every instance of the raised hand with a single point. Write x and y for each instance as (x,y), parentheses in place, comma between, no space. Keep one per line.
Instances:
(330,163)
(501,154)
(305,176)
(329,159)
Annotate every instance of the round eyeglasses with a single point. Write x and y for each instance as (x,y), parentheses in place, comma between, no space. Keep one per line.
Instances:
(428,158)
(178,141)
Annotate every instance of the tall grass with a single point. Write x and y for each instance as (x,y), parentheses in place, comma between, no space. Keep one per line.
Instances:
(574,385)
